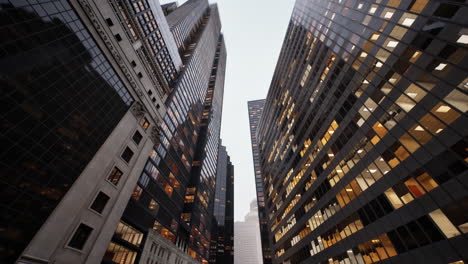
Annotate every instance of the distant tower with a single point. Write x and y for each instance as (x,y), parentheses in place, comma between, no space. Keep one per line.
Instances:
(247,244)
(255,112)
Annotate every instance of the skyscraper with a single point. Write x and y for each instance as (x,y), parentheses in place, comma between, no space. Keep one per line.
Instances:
(247,245)
(222,238)
(255,112)
(362,140)
(174,197)
(99,95)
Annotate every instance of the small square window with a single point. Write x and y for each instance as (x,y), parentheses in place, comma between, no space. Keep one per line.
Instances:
(140,75)
(133,63)
(127,154)
(100,202)
(80,237)
(114,176)
(137,137)
(118,37)
(144,123)
(109,22)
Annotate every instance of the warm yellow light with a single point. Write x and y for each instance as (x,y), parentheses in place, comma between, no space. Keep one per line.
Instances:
(443,109)
(419,128)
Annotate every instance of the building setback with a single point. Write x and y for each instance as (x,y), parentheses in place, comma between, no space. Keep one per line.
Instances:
(255,113)
(99,98)
(362,140)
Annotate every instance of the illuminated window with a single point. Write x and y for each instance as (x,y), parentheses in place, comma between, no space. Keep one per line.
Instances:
(119,254)
(426,181)
(441,66)
(388,15)
(393,198)
(114,176)
(392,44)
(414,187)
(463,39)
(153,206)
(128,233)
(444,224)
(144,123)
(305,75)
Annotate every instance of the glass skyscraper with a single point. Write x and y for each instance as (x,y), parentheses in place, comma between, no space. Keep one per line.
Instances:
(255,113)
(110,130)
(222,234)
(362,141)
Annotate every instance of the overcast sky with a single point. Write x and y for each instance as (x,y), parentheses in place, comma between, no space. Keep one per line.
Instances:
(254,32)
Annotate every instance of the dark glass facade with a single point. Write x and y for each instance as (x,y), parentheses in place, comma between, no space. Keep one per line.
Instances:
(255,113)
(222,231)
(363,138)
(175,193)
(60,101)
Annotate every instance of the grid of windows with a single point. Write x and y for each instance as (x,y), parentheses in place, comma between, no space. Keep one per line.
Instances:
(61,100)
(364,130)
(168,175)
(143,18)
(255,112)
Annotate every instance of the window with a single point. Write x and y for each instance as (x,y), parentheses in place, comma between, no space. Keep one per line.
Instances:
(129,234)
(137,137)
(79,238)
(119,254)
(118,37)
(100,202)
(144,123)
(133,63)
(114,176)
(109,22)
(446,10)
(153,206)
(444,224)
(137,193)
(140,75)
(127,154)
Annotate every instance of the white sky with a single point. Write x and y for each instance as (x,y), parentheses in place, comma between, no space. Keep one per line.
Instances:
(254,31)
